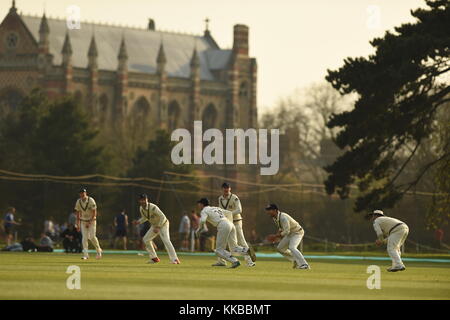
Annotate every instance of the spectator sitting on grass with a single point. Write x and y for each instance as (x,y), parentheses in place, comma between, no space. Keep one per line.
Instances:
(28,244)
(16,247)
(71,240)
(45,244)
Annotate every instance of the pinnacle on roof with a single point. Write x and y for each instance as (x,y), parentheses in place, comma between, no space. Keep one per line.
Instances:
(123,50)
(93,48)
(67,47)
(161,54)
(195,60)
(43,27)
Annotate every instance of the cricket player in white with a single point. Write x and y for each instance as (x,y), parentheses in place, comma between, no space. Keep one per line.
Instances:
(394,232)
(86,210)
(291,234)
(218,218)
(159,226)
(231,202)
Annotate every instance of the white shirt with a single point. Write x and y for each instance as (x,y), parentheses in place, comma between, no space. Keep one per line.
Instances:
(233,204)
(286,224)
(49,226)
(85,207)
(213,215)
(152,214)
(185,224)
(383,226)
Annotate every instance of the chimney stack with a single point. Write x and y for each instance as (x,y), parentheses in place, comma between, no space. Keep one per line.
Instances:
(240,40)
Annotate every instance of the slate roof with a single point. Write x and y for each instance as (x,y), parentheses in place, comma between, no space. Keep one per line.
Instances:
(142,46)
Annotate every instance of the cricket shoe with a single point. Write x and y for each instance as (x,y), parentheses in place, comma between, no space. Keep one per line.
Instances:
(396,269)
(251,264)
(84,258)
(235,264)
(154,260)
(303,266)
(218,264)
(99,255)
(251,253)
(176,261)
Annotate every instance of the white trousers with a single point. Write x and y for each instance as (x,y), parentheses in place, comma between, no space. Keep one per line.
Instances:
(394,243)
(165,237)
(237,239)
(288,247)
(226,234)
(89,233)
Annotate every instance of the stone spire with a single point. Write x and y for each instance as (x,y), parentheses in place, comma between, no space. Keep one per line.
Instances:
(44,32)
(123,50)
(67,48)
(67,63)
(92,53)
(161,59)
(195,88)
(93,48)
(43,27)
(122,56)
(122,79)
(195,60)
(93,78)
(162,84)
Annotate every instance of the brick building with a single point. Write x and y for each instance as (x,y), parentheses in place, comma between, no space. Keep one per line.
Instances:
(164,79)
(146,77)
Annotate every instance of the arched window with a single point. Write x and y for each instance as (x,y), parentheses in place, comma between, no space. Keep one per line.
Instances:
(140,112)
(141,107)
(174,114)
(103,108)
(209,117)
(10,99)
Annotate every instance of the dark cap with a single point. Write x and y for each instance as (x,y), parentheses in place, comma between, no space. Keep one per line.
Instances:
(272,206)
(225,185)
(143,196)
(83,190)
(204,201)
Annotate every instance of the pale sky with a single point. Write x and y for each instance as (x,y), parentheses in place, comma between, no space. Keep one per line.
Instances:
(294,41)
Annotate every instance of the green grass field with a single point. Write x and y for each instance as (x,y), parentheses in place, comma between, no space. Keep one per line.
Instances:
(120,276)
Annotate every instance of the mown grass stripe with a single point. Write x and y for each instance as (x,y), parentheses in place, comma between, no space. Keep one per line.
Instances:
(277,255)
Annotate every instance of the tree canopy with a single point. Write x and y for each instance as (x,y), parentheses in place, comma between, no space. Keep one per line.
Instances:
(51,137)
(400,89)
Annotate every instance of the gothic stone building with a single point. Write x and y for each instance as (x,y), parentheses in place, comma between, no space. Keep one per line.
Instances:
(161,79)
(168,79)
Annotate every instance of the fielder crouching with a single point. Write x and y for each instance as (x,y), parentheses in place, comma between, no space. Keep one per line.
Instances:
(394,232)
(226,232)
(292,234)
(159,227)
